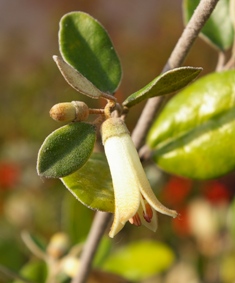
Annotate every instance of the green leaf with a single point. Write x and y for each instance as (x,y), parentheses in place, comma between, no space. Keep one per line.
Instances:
(194,134)
(86,46)
(218,30)
(72,218)
(140,260)
(166,83)
(35,271)
(103,251)
(92,184)
(66,150)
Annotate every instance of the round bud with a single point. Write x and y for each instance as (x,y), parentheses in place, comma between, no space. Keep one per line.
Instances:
(70,265)
(59,245)
(63,112)
(82,110)
(69,111)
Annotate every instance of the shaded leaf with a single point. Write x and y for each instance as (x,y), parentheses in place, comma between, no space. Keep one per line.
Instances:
(66,150)
(103,251)
(86,46)
(166,83)
(218,30)
(140,260)
(35,271)
(194,134)
(92,184)
(72,218)
(76,79)
(230,219)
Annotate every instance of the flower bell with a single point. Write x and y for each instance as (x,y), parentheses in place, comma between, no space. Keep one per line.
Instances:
(134,199)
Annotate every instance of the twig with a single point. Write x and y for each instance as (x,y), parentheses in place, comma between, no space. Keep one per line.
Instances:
(12,275)
(221,61)
(190,33)
(98,228)
(31,245)
(178,55)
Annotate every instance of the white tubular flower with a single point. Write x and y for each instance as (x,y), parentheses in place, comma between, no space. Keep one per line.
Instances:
(134,198)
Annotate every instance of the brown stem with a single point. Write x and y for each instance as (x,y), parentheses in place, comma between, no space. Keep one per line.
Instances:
(98,228)
(6,274)
(221,61)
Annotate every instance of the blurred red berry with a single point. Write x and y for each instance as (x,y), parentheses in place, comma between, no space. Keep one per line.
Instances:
(9,175)
(176,190)
(181,223)
(216,192)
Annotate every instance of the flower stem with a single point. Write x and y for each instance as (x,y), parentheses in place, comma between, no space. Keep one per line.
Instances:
(98,228)
(6,273)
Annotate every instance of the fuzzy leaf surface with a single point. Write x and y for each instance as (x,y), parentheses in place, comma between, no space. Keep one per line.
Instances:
(166,83)
(194,134)
(66,150)
(92,184)
(86,46)
(218,30)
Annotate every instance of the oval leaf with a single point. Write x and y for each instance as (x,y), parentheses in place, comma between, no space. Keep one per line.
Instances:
(66,150)
(76,79)
(218,30)
(166,83)
(128,261)
(86,46)
(92,184)
(194,134)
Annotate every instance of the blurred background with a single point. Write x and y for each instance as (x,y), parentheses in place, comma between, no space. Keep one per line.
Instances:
(200,243)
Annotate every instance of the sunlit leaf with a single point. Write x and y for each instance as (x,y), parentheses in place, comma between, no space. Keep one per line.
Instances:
(194,134)
(226,267)
(140,260)
(218,30)
(86,46)
(92,184)
(166,83)
(66,150)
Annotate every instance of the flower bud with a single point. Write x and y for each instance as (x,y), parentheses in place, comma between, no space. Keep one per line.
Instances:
(58,245)
(70,265)
(70,111)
